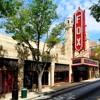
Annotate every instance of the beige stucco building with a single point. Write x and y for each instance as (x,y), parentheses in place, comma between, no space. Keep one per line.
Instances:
(61,69)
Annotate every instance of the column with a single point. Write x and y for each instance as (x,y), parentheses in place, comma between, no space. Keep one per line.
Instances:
(52,74)
(49,78)
(70,73)
(89,73)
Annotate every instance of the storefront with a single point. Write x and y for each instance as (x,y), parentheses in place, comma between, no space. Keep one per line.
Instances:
(61,73)
(84,68)
(31,76)
(8,75)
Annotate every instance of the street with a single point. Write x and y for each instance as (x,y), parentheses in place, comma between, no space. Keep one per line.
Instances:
(81,93)
(94,96)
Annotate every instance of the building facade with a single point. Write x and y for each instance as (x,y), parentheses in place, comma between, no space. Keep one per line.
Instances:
(21,71)
(18,68)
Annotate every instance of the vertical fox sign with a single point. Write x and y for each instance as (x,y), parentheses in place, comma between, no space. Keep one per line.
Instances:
(79,30)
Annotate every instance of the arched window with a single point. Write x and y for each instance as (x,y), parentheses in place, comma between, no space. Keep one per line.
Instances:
(68,21)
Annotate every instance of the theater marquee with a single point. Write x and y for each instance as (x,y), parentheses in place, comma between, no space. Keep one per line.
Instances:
(82,61)
(79,30)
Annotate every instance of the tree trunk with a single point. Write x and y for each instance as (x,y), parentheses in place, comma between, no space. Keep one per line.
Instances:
(40,84)
(20,74)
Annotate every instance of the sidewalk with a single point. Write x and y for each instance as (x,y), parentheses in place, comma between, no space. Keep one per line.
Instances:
(33,95)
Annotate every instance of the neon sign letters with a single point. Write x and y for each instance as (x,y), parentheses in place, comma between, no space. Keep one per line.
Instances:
(79,30)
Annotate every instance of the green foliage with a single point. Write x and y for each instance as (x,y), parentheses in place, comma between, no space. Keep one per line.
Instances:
(42,13)
(17,25)
(96,49)
(47,57)
(9,7)
(55,36)
(33,22)
(95,11)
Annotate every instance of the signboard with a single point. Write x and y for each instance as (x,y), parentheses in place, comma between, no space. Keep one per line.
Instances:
(61,67)
(84,62)
(90,62)
(81,68)
(79,30)
(76,61)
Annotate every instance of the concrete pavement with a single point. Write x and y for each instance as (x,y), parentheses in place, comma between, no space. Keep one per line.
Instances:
(45,90)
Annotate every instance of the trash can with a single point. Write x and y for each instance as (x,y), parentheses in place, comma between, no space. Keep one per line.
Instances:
(24,93)
(15,94)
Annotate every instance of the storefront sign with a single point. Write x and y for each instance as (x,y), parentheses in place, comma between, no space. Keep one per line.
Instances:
(84,62)
(62,58)
(79,30)
(90,62)
(61,67)
(81,68)
(76,61)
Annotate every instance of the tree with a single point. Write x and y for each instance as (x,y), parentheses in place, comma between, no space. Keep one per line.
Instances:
(96,54)
(95,11)
(9,7)
(31,24)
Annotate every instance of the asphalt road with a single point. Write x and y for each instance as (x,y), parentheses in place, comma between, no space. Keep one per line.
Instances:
(94,96)
(81,93)
(78,94)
